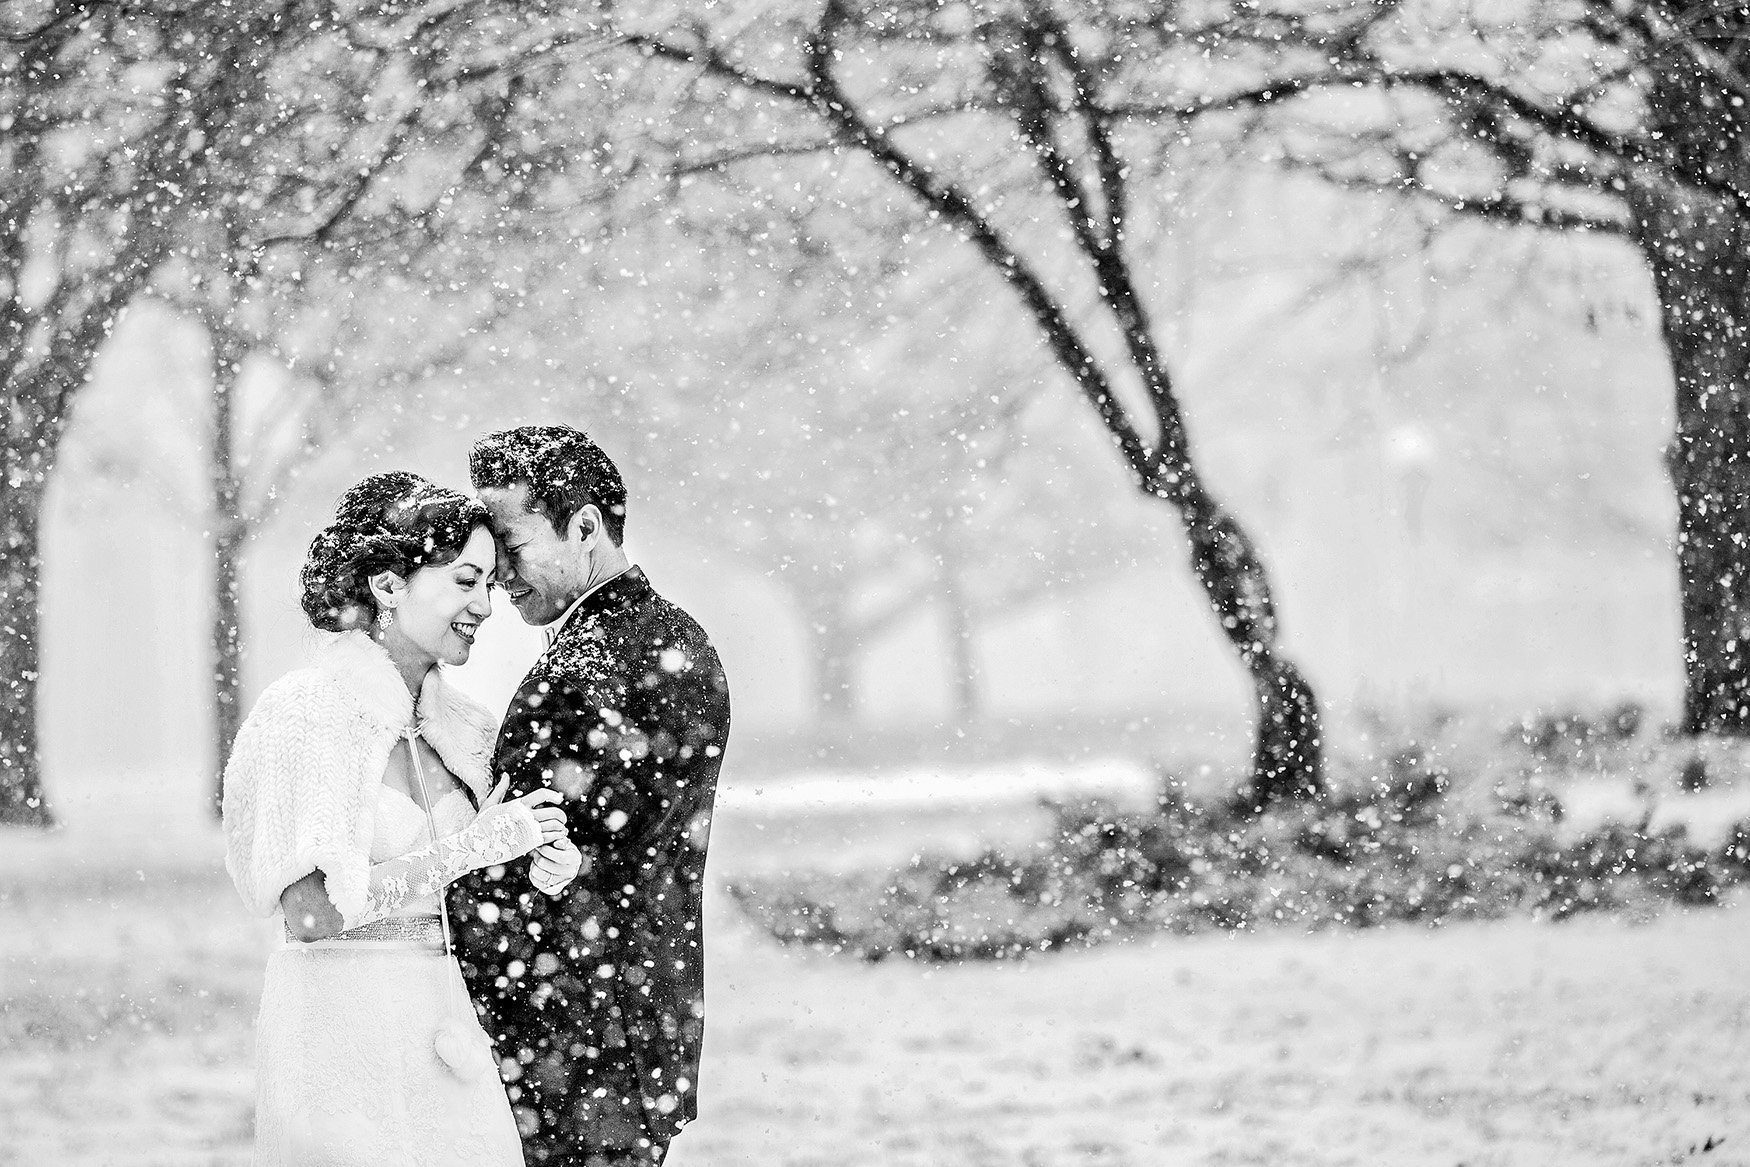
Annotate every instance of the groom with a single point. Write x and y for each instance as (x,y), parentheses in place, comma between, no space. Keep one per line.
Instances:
(596,998)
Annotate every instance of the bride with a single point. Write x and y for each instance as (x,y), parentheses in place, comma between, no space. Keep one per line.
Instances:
(356,792)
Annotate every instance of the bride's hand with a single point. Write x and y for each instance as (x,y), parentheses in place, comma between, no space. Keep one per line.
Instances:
(555,865)
(521,824)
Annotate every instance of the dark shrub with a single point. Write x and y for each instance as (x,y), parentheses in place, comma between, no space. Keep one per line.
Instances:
(1400,843)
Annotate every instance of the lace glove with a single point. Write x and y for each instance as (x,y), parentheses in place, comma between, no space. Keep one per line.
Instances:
(555,865)
(502,832)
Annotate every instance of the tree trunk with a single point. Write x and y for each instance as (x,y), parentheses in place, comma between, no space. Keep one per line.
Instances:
(835,654)
(229,531)
(39,393)
(967,703)
(227,645)
(21,502)
(1287,753)
(1697,249)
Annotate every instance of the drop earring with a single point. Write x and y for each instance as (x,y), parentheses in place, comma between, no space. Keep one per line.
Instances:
(387,620)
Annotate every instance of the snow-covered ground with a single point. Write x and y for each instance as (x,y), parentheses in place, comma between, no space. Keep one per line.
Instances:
(128,978)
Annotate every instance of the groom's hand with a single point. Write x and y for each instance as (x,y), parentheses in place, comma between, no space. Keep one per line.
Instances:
(555,865)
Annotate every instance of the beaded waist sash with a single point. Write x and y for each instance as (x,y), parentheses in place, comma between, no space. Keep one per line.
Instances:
(409,931)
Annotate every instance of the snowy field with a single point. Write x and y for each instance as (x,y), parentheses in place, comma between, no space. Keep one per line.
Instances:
(128,981)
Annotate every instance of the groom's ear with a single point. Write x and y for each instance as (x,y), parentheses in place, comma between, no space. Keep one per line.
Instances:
(585,524)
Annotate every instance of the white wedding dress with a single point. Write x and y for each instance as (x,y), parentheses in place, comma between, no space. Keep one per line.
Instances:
(346,1071)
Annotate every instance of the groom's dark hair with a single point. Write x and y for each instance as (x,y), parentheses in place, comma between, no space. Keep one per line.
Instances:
(562,468)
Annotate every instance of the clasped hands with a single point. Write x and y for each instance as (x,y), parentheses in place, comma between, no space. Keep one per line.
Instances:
(556,861)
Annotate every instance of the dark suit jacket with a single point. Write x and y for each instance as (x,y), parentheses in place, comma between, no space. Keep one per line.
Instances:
(596,998)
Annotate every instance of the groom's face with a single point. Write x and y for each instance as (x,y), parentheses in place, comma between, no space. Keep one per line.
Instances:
(538,567)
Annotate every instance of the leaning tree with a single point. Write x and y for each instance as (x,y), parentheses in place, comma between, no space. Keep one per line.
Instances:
(992,117)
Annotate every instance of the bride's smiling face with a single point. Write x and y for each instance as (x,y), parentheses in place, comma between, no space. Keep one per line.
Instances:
(439,609)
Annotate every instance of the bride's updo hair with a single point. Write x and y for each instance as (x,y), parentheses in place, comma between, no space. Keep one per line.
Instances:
(396,522)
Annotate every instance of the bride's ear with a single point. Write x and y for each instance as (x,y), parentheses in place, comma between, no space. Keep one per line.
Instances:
(387,588)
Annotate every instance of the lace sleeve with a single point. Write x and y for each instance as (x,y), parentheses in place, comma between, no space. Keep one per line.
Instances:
(500,834)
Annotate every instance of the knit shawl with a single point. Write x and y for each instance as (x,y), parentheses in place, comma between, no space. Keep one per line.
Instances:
(299,792)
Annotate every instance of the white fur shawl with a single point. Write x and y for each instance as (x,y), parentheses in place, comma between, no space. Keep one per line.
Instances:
(300,785)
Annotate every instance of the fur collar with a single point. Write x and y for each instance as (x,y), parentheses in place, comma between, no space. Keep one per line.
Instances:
(362,665)
(458,728)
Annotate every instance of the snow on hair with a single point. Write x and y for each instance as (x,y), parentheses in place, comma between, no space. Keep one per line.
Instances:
(562,467)
(395,521)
